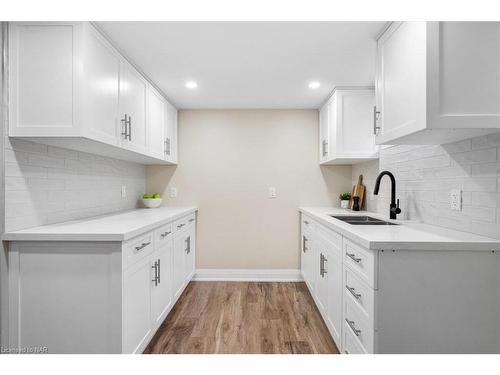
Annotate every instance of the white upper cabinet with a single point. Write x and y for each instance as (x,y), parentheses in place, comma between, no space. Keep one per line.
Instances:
(171,133)
(156,123)
(437,82)
(69,87)
(347,127)
(101,69)
(43,79)
(133,97)
(324,135)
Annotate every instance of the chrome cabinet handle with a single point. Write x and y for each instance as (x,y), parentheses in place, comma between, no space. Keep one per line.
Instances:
(130,128)
(191,220)
(306,222)
(155,280)
(357,332)
(325,145)
(159,271)
(346,351)
(353,257)
(375,119)
(188,245)
(126,122)
(304,246)
(322,265)
(180,226)
(167,146)
(353,292)
(164,234)
(138,248)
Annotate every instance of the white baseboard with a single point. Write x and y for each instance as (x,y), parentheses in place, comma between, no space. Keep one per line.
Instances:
(247,275)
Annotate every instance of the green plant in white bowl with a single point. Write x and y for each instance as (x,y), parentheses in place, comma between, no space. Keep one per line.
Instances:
(152,200)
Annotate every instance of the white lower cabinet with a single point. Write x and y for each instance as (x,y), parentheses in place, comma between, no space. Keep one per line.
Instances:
(321,291)
(161,293)
(137,306)
(179,265)
(334,299)
(189,267)
(98,297)
(402,301)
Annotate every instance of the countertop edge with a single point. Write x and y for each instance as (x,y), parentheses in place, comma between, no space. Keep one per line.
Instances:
(94,237)
(404,246)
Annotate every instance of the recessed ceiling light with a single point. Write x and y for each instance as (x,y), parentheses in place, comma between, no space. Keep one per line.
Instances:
(191,84)
(314,85)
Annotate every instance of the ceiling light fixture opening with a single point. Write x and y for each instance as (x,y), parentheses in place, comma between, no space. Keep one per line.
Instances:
(314,85)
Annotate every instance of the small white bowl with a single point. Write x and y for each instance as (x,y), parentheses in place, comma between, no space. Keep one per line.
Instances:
(152,203)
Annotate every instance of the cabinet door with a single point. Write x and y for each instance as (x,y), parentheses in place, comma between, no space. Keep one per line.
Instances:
(101,71)
(190,254)
(324,131)
(303,256)
(137,305)
(133,95)
(308,260)
(321,286)
(354,124)
(161,294)
(335,292)
(156,124)
(401,79)
(179,261)
(43,79)
(171,132)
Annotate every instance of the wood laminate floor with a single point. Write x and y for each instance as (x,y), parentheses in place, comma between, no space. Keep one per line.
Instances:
(243,317)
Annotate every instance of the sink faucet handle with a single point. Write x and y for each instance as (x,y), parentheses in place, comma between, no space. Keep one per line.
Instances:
(397,210)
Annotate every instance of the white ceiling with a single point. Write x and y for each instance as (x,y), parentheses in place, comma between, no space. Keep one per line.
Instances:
(249,64)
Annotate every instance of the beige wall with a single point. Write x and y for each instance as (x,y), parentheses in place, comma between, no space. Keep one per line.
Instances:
(227,161)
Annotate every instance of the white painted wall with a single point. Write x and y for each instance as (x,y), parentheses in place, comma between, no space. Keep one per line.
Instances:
(426,174)
(227,161)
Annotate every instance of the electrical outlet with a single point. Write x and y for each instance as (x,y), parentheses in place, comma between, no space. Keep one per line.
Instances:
(173,192)
(456,199)
(124,191)
(272,192)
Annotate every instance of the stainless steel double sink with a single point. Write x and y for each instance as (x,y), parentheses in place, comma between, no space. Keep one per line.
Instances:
(361,220)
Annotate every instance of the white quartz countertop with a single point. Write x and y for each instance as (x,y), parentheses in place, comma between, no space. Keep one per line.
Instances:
(113,227)
(408,235)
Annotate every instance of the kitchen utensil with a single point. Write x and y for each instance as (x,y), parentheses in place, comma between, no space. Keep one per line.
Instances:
(359,191)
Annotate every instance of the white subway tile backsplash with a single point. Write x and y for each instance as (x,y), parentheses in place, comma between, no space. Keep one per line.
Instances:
(45,161)
(476,156)
(426,174)
(46,184)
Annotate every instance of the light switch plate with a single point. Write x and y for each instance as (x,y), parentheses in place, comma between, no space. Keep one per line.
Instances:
(456,199)
(173,192)
(272,192)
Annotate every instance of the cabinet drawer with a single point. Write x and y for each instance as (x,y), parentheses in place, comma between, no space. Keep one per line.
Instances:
(350,343)
(137,248)
(361,261)
(191,219)
(360,294)
(356,322)
(163,235)
(183,222)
